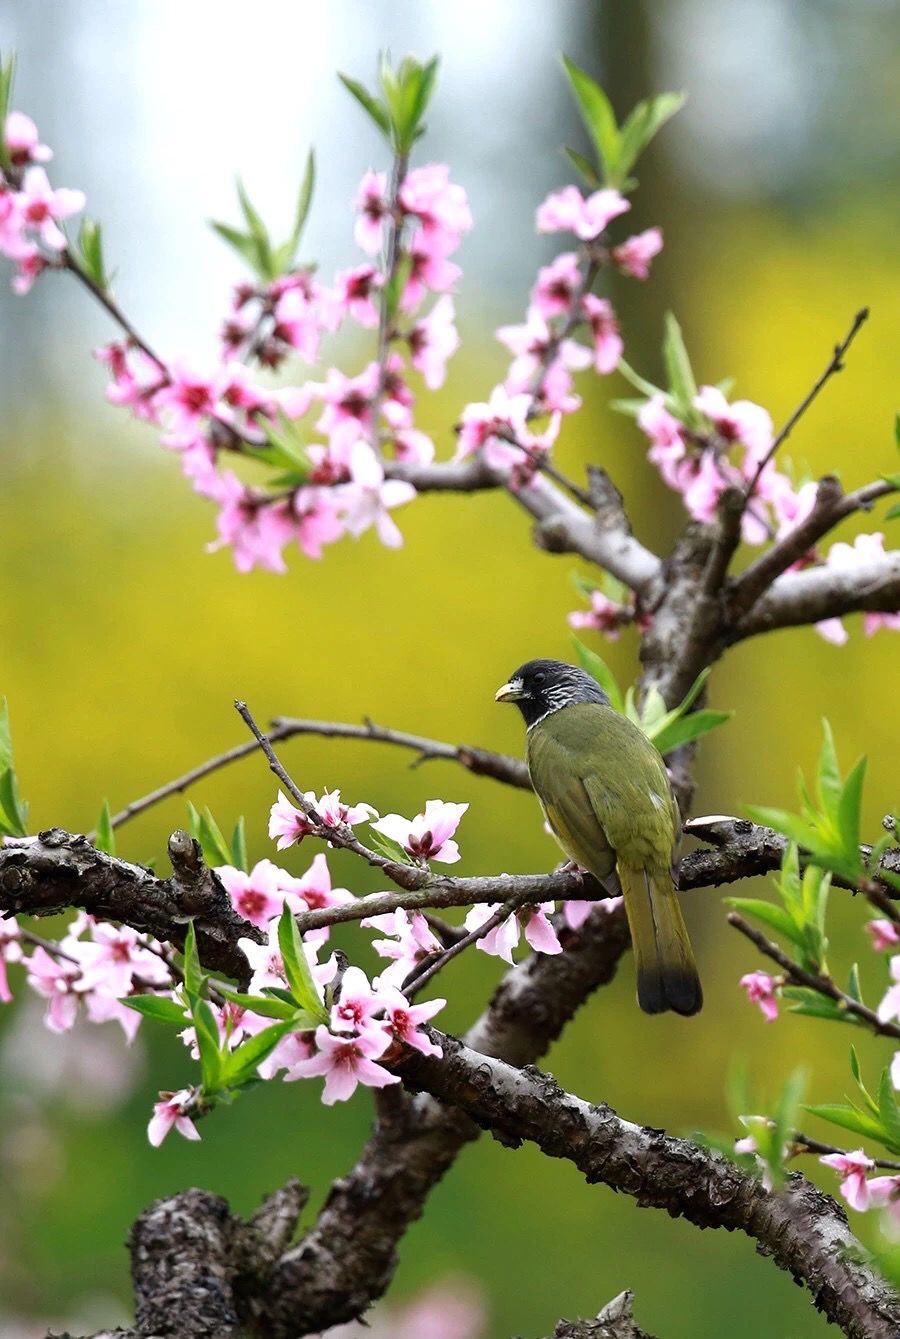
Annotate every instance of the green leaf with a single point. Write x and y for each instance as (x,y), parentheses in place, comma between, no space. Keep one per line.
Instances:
(892,513)
(586,168)
(252,217)
(638,382)
(241,1064)
(6,748)
(687,728)
(208,833)
(407,91)
(828,776)
(304,200)
(775,917)
(854,1066)
(90,247)
(375,109)
(599,120)
(848,1118)
(682,385)
(7,77)
(386,846)
(160,1007)
(296,967)
(239,846)
(888,1110)
(848,814)
(597,667)
(645,121)
(194,977)
(793,827)
(267,1006)
(106,838)
(814,1005)
(245,245)
(13,811)
(208,1044)
(785,1118)
(853,987)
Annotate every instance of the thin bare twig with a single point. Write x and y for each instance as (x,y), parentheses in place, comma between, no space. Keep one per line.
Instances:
(419,977)
(822,985)
(835,365)
(803,1144)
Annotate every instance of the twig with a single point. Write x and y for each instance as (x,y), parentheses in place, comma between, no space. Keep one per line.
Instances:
(835,365)
(108,302)
(419,977)
(803,1144)
(798,598)
(823,985)
(341,834)
(391,268)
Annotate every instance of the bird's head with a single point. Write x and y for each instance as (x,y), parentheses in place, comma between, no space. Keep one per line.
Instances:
(540,687)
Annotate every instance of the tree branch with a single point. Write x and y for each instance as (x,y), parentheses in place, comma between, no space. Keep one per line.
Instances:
(824,592)
(615,1321)
(804,1230)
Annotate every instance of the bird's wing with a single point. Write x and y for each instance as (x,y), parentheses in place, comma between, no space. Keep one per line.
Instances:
(567,805)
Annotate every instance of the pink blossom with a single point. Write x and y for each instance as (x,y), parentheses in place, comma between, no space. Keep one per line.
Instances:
(107,1009)
(530,343)
(833,630)
(604,616)
(430,270)
(368,500)
(358,1003)
(333,810)
(257,896)
(411,941)
(576,913)
(290,1051)
(113,957)
(354,289)
(10,951)
(568,211)
(501,941)
(702,480)
(413,447)
(427,836)
(345,1062)
(42,208)
(290,825)
(440,205)
(55,979)
(884,934)
(890,1005)
(30,264)
(608,344)
(852,1167)
(743,421)
(372,207)
(255,529)
(267,965)
(556,286)
(317,517)
(432,341)
(845,557)
(348,406)
(633,256)
(760,988)
(482,425)
(666,434)
(23,142)
(403,1020)
(238,390)
(169,1113)
(298,322)
(313,889)
(884,1192)
(189,397)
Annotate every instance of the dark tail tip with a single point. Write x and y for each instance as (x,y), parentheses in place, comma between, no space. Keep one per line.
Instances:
(663,988)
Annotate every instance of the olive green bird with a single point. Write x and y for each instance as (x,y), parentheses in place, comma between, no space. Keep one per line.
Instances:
(605,793)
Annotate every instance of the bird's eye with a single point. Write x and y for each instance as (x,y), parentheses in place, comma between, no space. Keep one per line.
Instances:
(539,678)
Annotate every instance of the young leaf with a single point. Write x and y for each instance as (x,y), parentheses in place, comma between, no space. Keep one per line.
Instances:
(587,170)
(682,385)
(266,1006)
(160,1007)
(785,1119)
(106,838)
(775,917)
(672,735)
(7,76)
(814,1005)
(887,1109)
(599,120)
(241,1064)
(597,667)
(304,200)
(13,811)
(239,846)
(848,1118)
(209,1044)
(848,815)
(828,777)
(375,109)
(243,244)
(645,121)
(194,976)
(386,846)
(208,833)
(297,969)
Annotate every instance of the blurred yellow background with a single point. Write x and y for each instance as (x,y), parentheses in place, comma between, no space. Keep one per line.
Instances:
(124,644)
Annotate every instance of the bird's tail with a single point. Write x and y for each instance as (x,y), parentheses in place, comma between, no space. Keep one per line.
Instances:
(666,972)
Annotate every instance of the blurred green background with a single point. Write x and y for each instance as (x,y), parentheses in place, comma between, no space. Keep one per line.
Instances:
(124,644)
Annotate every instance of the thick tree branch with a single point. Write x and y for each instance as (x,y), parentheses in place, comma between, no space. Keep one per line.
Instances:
(825,592)
(804,1230)
(615,1321)
(46,874)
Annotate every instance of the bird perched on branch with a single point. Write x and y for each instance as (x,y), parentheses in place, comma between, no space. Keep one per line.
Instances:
(605,793)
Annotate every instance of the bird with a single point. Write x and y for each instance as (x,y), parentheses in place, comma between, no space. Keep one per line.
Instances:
(606,796)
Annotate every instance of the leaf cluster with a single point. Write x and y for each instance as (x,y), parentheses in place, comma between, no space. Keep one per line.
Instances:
(267,260)
(13,809)
(398,108)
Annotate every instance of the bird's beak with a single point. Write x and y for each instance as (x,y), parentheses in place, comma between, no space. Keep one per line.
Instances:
(510,692)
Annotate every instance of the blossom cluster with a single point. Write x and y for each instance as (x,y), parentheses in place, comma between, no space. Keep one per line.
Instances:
(30,209)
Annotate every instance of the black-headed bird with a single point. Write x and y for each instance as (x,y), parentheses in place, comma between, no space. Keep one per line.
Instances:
(606,796)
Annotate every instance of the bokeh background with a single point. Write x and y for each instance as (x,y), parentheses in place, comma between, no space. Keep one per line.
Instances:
(123,643)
